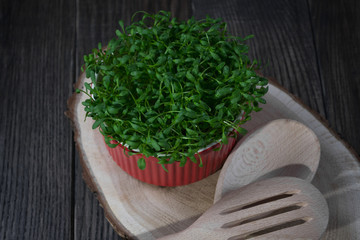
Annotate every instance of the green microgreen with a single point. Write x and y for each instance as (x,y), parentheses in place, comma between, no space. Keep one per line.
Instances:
(169,88)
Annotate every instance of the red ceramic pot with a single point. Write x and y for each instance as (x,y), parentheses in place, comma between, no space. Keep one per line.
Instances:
(176,175)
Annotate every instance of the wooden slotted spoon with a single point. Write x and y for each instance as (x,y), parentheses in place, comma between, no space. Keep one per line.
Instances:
(282,147)
(275,208)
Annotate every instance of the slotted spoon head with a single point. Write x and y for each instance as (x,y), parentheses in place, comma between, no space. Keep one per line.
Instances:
(282,147)
(275,208)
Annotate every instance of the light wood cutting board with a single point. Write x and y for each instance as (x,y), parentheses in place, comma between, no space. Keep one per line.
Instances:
(138,210)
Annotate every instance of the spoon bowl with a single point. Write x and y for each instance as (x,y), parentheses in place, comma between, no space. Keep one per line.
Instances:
(282,147)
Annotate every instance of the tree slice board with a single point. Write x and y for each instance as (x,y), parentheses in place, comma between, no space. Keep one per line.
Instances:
(138,210)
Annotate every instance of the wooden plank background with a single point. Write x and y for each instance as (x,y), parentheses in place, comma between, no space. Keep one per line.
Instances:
(311,47)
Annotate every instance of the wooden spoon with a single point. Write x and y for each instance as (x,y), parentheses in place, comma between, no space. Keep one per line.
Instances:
(275,208)
(281,147)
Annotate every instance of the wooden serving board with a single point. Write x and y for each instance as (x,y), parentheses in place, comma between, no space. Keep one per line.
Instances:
(138,210)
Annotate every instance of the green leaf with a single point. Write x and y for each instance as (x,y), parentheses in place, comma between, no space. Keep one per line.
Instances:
(161,60)
(261,100)
(86,103)
(193,158)
(134,137)
(138,127)
(123,59)
(215,56)
(112,110)
(263,82)
(179,118)
(204,43)
(224,138)
(97,123)
(246,96)
(191,132)
(136,74)
(121,23)
(108,142)
(163,167)
(219,106)
(182,161)
(222,92)
(164,144)
(257,109)
(190,76)
(190,113)
(129,153)
(106,81)
(248,37)
(201,163)
(218,148)
(220,66)
(123,93)
(241,130)
(155,145)
(177,61)
(111,145)
(226,71)
(141,163)
(133,48)
(87,86)
(190,60)
(133,144)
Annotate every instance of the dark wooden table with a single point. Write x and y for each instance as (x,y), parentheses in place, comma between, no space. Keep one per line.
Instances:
(311,47)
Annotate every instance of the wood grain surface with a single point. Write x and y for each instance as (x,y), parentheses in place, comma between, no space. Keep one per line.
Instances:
(310,47)
(36,149)
(336,31)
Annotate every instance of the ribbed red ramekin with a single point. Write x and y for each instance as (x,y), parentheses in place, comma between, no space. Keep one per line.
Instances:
(176,175)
